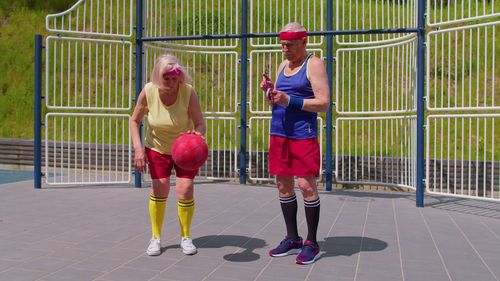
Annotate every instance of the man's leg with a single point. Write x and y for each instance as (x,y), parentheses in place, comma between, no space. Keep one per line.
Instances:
(309,191)
(288,201)
(310,250)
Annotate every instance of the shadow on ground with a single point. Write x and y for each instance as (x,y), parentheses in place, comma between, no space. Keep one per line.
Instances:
(219,241)
(350,245)
(476,207)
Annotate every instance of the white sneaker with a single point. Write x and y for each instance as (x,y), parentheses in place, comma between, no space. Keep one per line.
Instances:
(154,247)
(187,246)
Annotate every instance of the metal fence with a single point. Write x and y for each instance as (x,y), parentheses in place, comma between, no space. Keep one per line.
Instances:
(374,53)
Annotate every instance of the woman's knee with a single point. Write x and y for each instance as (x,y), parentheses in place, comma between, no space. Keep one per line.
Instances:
(160,187)
(184,188)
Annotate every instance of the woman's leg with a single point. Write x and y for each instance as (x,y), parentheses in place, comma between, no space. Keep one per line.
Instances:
(185,210)
(157,204)
(185,204)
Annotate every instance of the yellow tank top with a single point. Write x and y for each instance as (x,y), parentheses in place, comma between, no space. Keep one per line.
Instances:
(164,123)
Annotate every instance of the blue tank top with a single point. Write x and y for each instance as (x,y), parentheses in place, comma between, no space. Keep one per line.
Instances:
(294,123)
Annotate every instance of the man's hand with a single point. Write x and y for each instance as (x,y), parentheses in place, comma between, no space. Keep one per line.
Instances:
(267,86)
(279,97)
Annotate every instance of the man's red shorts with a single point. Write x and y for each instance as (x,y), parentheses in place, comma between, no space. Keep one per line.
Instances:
(160,166)
(291,157)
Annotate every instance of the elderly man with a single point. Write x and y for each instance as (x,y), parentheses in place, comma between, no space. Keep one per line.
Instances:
(301,91)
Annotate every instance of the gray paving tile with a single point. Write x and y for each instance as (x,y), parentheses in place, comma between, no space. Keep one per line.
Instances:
(235,272)
(19,274)
(151,263)
(70,253)
(72,274)
(129,274)
(99,264)
(22,253)
(5,264)
(47,264)
(182,273)
(120,253)
(101,234)
(284,272)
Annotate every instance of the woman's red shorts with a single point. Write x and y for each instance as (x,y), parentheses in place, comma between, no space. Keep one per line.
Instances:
(160,166)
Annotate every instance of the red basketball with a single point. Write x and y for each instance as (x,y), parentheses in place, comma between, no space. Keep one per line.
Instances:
(189,151)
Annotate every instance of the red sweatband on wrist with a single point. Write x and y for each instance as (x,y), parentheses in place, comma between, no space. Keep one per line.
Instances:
(292,35)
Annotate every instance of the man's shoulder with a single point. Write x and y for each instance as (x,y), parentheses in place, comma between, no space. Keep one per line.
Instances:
(315,60)
(315,64)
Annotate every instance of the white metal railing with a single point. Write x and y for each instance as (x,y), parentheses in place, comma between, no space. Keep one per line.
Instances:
(87,148)
(377,14)
(265,61)
(463,76)
(376,80)
(88,74)
(271,16)
(376,150)
(94,17)
(222,139)
(463,155)
(258,147)
(214,75)
(187,18)
(440,12)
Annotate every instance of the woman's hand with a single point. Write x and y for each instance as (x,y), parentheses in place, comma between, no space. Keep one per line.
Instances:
(193,132)
(140,160)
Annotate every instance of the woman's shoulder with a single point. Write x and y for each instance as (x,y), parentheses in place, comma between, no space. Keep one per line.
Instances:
(149,86)
(187,87)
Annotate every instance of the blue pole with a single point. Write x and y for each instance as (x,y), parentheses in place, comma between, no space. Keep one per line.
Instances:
(37,145)
(138,67)
(420,103)
(243,102)
(329,113)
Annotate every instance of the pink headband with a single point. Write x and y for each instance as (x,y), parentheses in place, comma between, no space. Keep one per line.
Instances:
(175,71)
(292,35)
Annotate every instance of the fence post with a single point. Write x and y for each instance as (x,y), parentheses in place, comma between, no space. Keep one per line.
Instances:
(138,69)
(329,113)
(420,103)
(243,102)
(37,145)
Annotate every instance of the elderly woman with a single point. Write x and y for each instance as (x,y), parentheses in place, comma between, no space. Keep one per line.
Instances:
(171,107)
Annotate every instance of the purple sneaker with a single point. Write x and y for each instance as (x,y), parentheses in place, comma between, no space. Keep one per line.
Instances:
(309,254)
(287,247)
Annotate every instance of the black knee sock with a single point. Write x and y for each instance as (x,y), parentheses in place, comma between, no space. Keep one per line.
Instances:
(289,209)
(312,217)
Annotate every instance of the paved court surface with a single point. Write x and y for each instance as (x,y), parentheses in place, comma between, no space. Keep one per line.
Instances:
(101,233)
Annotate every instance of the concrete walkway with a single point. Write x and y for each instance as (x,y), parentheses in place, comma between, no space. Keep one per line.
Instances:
(101,233)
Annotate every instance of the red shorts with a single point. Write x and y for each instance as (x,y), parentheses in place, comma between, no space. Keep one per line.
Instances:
(160,166)
(291,157)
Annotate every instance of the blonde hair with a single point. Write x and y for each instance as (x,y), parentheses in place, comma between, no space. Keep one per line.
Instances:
(166,63)
(294,27)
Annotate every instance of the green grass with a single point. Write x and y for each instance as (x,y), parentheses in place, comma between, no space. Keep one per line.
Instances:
(20,20)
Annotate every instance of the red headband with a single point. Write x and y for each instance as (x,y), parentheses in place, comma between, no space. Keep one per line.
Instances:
(173,72)
(292,35)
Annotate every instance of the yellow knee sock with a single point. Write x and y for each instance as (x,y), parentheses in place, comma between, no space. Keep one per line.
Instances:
(157,212)
(185,210)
